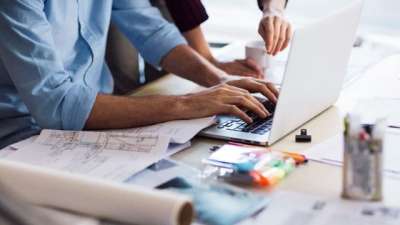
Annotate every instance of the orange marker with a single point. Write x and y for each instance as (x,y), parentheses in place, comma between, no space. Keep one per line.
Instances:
(299,158)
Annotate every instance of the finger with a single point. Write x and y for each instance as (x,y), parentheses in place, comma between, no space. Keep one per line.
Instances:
(253,65)
(288,37)
(281,39)
(238,93)
(246,103)
(272,87)
(258,103)
(227,89)
(233,90)
(235,111)
(263,89)
(260,86)
(269,33)
(277,33)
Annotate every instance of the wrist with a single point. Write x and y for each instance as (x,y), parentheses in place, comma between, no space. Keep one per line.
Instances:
(274,7)
(213,75)
(175,108)
(184,106)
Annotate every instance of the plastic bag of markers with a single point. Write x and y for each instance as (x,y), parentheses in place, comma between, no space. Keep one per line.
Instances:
(217,204)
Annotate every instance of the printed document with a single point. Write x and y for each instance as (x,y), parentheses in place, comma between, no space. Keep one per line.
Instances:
(180,131)
(290,208)
(108,155)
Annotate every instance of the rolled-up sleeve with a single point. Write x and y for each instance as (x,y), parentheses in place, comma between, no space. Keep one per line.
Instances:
(145,27)
(27,49)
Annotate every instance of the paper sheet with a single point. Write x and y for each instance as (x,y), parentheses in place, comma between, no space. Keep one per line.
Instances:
(161,172)
(180,131)
(95,197)
(6,152)
(331,152)
(290,208)
(108,155)
(372,109)
(24,143)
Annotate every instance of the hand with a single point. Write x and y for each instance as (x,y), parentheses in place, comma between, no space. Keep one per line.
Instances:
(245,68)
(256,86)
(275,30)
(222,99)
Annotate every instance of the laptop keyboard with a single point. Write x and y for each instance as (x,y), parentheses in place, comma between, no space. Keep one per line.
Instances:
(259,125)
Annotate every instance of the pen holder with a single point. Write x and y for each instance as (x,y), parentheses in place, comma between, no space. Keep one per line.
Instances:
(362,162)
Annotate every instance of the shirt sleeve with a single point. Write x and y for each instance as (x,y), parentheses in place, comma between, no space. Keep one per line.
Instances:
(187,14)
(260,3)
(145,27)
(27,50)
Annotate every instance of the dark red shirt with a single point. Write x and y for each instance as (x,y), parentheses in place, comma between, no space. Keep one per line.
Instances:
(187,14)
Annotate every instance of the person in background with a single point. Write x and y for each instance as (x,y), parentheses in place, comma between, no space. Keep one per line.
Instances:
(273,28)
(188,15)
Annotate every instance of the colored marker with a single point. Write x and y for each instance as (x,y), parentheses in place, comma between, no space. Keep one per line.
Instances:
(244,166)
(288,165)
(299,158)
(269,160)
(251,178)
(274,175)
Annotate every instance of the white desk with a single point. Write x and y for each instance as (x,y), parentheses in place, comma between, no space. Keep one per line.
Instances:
(314,178)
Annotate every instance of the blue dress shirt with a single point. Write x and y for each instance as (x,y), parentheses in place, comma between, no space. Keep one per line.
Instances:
(52,58)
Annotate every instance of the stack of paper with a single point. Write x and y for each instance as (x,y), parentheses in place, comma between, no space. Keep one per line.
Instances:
(112,155)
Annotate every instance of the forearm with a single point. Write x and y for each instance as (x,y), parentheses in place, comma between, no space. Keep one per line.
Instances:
(197,41)
(187,63)
(117,112)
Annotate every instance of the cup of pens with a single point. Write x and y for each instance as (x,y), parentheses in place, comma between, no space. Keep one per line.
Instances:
(362,159)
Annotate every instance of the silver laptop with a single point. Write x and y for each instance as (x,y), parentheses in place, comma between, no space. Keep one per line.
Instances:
(312,82)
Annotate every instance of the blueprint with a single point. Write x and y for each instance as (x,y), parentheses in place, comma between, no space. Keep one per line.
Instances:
(109,155)
(113,155)
(180,131)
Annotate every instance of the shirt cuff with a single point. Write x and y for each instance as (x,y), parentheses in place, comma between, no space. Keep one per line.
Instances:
(260,4)
(78,104)
(187,15)
(161,43)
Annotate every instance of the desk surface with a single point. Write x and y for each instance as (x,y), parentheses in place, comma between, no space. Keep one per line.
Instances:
(383,80)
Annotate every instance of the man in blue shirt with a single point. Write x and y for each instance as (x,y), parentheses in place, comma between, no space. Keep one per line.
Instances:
(53,74)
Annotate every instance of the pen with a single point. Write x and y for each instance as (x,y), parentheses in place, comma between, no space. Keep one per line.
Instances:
(251,178)
(273,175)
(299,158)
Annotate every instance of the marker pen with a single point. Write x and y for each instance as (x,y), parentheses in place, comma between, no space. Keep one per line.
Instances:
(274,175)
(299,158)
(244,167)
(288,166)
(251,178)
(269,160)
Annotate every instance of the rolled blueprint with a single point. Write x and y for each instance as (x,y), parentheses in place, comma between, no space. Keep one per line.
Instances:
(95,197)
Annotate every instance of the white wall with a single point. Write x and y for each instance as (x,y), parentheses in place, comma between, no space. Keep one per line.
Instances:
(232,20)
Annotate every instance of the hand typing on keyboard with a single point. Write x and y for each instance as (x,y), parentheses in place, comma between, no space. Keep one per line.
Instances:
(258,126)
